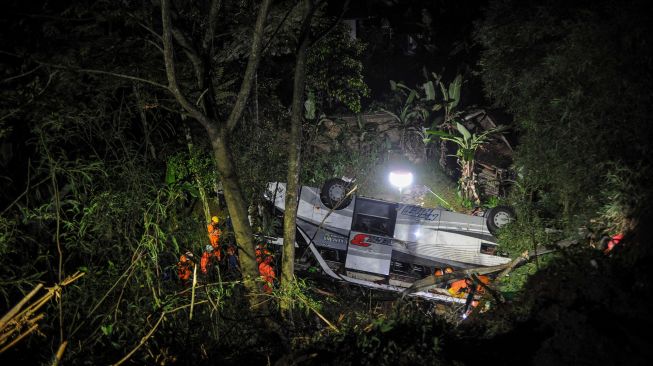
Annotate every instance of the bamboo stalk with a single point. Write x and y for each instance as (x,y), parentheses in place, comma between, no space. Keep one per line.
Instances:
(192,298)
(59,355)
(30,322)
(19,318)
(30,330)
(16,309)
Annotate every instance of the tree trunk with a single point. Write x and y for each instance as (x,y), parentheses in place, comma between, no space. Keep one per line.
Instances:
(149,147)
(294,157)
(238,212)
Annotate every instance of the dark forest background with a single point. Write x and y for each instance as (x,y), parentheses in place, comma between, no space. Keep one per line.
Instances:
(104,173)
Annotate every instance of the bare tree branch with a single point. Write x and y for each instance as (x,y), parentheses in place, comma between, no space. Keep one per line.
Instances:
(345,6)
(192,54)
(305,32)
(102,72)
(150,30)
(21,75)
(33,98)
(252,65)
(210,30)
(279,27)
(168,56)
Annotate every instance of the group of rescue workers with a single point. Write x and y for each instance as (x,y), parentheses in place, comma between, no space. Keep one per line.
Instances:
(465,288)
(212,259)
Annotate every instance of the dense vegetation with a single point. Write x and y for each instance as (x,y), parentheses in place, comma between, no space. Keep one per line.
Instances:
(105,176)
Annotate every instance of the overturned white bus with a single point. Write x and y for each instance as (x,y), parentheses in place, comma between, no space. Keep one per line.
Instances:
(388,245)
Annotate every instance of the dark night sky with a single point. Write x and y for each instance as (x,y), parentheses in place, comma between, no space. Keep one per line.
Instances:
(441,31)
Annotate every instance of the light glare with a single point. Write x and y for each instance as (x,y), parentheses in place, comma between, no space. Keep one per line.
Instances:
(401,180)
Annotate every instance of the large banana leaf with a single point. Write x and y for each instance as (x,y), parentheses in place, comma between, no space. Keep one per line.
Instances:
(170,174)
(429,89)
(463,131)
(411,97)
(439,133)
(454,91)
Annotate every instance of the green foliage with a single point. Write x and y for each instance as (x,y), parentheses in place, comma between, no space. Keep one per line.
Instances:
(491,202)
(186,170)
(411,110)
(415,108)
(260,150)
(297,294)
(8,235)
(450,97)
(465,203)
(624,194)
(578,85)
(319,167)
(406,337)
(467,143)
(335,72)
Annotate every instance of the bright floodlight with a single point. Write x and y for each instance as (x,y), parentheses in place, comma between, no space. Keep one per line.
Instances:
(401,180)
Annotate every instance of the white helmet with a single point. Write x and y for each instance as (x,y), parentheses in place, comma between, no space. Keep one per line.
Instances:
(208,248)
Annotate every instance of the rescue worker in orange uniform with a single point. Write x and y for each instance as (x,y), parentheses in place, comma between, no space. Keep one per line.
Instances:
(262,252)
(185,266)
(465,288)
(264,258)
(439,272)
(460,288)
(612,242)
(209,258)
(214,232)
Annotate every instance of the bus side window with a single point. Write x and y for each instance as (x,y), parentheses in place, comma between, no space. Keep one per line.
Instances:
(487,248)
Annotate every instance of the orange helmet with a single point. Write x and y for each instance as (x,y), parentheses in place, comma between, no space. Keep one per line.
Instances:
(438,272)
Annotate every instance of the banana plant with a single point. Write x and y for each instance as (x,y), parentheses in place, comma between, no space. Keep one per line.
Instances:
(417,106)
(450,95)
(467,143)
(411,110)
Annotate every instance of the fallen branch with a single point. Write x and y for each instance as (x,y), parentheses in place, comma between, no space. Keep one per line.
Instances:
(322,292)
(488,290)
(13,323)
(18,306)
(143,340)
(151,332)
(433,281)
